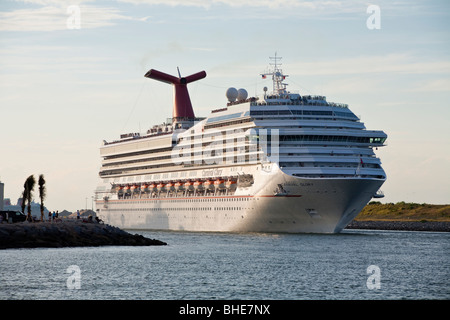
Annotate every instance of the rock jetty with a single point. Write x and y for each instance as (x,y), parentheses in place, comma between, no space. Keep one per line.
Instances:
(437,226)
(68,233)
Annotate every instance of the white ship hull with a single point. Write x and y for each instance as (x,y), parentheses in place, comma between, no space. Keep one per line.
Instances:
(307,206)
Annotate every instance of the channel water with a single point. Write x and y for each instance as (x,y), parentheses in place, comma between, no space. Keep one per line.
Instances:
(355,264)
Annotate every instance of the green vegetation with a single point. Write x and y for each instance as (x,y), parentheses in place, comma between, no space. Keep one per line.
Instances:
(405,211)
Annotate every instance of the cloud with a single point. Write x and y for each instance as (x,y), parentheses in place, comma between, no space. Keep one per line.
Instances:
(319,5)
(391,63)
(437,85)
(52,18)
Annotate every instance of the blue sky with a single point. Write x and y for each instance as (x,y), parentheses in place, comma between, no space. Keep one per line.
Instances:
(62,90)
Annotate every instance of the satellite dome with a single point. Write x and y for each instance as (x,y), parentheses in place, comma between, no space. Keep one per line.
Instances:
(232,94)
(242,94)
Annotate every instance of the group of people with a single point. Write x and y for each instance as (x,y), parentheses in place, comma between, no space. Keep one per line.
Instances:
(53,216)
(90,219)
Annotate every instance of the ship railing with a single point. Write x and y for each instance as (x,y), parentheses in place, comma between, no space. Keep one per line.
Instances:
(304,100)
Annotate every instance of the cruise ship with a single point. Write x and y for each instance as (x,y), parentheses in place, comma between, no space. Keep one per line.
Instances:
(278,162)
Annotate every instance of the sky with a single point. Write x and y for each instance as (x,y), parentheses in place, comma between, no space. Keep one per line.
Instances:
(72,75)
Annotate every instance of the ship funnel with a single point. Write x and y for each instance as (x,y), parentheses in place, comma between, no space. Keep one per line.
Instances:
(182,107)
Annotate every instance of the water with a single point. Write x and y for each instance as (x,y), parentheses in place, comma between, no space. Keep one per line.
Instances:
(256,266)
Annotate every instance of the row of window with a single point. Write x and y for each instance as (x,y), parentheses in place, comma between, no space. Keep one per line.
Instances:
(315,175)
(178,209)
(228,123)
(304,113)
(174,200)
(329,165)
(332,138)
(130,154)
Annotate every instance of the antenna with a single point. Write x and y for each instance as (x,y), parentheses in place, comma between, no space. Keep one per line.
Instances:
(277,75)
(182,107)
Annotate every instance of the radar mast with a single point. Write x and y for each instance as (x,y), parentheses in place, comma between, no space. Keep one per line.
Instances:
(277,75)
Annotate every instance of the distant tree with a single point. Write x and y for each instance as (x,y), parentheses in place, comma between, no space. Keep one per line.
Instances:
(42,193)
(29,186)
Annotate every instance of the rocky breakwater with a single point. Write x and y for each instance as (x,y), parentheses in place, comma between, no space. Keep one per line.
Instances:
(68,233)
(437,226)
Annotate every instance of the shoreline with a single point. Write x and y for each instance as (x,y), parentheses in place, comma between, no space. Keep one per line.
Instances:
(68,233)
(76,233)
(436,226)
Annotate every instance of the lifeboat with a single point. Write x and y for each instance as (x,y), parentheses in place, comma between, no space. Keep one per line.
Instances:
(126,188)
(208,184)
(189,185)
(152,186)
(219,183)
(170,186)
(179,185)
(198,185)
(230,184)
(160,186)
(144,187)
(133,188)
(119,189)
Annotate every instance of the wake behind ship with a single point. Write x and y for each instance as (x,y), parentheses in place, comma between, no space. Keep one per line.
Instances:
(280,162)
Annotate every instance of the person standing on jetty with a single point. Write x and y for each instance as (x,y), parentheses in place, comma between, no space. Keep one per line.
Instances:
(78,214)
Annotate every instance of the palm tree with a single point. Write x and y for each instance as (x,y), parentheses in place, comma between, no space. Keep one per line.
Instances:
(24,197)
(42,193)
(29,186)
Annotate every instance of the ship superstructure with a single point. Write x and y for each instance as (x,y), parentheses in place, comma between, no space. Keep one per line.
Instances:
(280,162)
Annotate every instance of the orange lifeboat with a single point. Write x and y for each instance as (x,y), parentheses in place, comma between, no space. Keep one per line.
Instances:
(160,186)
(133,188)
(230,184)
(152,186)
(144,187)
(179,185)
(188,185)
(119,189)
(126,188)
(208,184)
(219,183)
(170,186)
(198,185)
